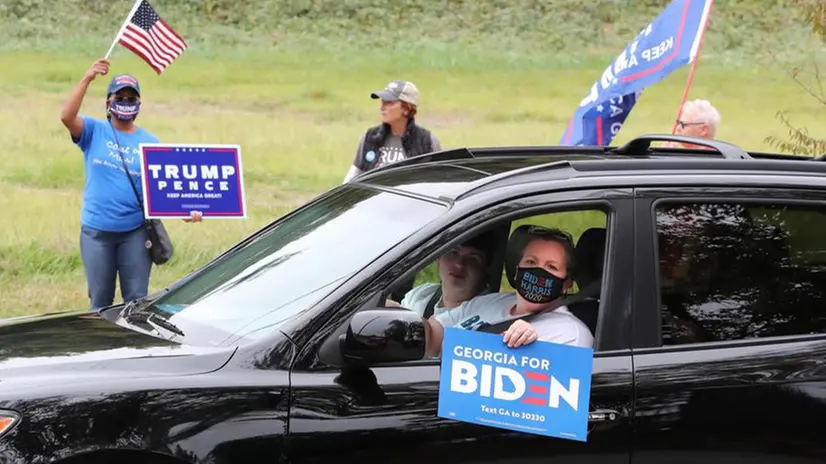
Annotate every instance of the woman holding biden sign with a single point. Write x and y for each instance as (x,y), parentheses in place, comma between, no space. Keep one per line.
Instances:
(113,240)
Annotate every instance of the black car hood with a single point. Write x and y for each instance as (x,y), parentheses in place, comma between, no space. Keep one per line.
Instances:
(79,347)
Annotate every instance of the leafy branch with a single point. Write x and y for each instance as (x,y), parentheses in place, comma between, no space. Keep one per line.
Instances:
(799,141)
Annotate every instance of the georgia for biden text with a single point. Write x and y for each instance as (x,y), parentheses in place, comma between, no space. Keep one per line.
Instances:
(531,375)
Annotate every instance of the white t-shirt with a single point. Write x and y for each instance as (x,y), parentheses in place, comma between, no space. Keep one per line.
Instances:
(416,299)
(557,326)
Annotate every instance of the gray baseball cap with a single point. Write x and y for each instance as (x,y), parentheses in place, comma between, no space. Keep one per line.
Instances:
(398,90)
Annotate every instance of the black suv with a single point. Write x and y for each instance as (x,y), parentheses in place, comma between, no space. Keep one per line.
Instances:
(708,319)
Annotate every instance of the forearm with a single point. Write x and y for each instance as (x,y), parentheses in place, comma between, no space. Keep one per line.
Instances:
(353,172)
(434,334)
(71,107)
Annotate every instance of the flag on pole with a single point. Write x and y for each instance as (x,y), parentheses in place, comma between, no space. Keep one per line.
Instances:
(669,42)
(149,37)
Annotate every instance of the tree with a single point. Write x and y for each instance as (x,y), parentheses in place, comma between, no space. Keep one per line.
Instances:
(800,141)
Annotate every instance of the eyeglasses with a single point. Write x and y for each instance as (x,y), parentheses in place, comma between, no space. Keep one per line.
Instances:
(684,124)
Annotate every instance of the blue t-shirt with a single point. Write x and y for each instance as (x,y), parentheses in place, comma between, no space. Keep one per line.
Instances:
(109,203)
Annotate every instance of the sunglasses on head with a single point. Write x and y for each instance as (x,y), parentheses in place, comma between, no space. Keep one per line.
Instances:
(539,231)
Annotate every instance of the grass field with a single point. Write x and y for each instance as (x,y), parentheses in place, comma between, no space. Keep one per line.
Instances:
(297,111)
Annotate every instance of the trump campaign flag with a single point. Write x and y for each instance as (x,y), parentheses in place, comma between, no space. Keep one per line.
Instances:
(149,37)
(669,42)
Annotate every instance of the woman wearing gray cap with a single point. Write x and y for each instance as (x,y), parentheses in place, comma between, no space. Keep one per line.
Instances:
(398,136)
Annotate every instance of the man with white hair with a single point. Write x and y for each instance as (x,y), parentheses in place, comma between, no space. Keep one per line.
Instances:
(699,118)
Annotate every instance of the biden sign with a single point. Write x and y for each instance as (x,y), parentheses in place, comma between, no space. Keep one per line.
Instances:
(542,388)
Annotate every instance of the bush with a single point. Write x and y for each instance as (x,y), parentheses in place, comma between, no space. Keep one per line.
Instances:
(799,141)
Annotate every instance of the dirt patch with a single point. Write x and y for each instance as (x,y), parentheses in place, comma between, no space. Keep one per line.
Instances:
(445,120)
(282,109)
(191,107)
(276,109)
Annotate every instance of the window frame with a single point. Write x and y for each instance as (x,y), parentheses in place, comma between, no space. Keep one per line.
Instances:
(612,337)
(362,193)
(648,310)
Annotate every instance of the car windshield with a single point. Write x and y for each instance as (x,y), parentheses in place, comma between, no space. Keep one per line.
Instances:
(248,293)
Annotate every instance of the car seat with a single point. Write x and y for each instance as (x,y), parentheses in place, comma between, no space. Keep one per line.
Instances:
(590,262)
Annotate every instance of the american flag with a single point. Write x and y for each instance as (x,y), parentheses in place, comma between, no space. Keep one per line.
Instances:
(149,37)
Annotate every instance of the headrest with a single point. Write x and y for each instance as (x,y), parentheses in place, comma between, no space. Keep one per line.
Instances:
(590,254)
(522,236)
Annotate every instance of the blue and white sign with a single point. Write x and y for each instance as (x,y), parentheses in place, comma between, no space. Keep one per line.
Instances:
(669,42)
(181,178)
(541,388)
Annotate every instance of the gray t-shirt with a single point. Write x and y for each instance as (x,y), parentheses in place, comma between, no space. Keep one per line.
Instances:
(391,152)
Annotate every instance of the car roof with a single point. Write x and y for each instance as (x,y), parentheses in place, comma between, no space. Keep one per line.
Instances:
(450,174)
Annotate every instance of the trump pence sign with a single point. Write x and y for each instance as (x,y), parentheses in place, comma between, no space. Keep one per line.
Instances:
(181,178)
(541,388)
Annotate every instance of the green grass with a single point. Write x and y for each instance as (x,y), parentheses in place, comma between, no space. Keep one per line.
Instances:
(292,89)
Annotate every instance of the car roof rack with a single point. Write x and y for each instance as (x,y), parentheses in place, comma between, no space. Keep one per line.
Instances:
(486,152)
(641,145)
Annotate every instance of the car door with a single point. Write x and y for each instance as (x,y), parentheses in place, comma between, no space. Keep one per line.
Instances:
(388,413)
(735,327)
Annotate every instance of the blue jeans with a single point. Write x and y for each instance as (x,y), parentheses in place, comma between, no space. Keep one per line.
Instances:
(107,255)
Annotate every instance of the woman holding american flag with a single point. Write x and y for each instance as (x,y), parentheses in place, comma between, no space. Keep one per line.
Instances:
(112,237)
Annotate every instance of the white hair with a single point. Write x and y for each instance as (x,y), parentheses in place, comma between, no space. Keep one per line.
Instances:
(703,111)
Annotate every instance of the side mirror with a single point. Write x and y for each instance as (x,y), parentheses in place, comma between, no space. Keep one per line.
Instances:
(383,335)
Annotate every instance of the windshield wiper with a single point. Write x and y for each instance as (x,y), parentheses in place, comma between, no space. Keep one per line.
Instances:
(161,322)
(133,305)
(152,319)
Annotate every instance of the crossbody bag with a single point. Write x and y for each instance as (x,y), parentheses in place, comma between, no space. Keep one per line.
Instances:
(157,239)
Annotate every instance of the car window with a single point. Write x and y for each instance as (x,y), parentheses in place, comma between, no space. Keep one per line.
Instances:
(588,230)
(248,293)
(732,271)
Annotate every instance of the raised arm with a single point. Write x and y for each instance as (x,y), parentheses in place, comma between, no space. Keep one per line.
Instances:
(69,113)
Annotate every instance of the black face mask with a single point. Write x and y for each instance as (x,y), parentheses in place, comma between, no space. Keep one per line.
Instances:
(537,285)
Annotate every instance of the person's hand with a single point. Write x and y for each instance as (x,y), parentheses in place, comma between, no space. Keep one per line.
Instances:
(519,333)
(100,66)
(194,216)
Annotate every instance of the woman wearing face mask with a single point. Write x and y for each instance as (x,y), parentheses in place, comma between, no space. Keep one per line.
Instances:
(398,136)
(538,266)
(112,237)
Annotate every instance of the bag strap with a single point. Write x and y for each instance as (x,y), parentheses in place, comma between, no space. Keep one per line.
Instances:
(125,167)
(431,303)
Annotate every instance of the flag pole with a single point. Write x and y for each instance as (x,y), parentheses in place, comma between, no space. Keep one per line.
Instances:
(685,93)
(691,70)
(123,27)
